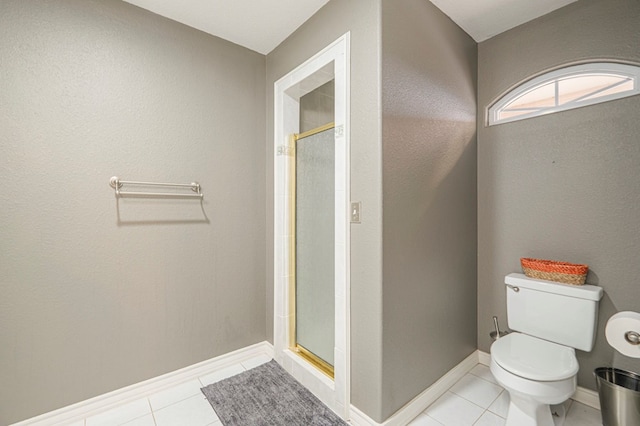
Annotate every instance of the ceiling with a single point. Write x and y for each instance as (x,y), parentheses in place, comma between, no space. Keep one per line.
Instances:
(261,25)
(483,19)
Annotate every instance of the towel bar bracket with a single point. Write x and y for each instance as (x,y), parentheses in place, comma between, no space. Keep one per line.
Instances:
(115,182)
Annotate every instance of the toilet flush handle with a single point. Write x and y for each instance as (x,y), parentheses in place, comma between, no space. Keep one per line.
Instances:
(513,287)
(632,337)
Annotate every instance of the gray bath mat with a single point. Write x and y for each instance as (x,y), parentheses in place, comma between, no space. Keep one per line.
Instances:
(267,396)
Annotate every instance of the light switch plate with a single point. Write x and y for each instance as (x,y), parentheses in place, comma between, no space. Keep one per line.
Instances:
(356,206)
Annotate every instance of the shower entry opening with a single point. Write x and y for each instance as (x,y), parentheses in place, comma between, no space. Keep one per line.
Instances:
(312,186)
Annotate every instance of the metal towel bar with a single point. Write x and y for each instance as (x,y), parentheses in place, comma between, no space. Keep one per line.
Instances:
(116,184)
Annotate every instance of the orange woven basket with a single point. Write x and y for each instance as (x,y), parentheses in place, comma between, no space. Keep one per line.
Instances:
(550,270)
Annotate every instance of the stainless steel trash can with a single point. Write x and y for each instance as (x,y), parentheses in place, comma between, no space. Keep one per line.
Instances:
(619,392)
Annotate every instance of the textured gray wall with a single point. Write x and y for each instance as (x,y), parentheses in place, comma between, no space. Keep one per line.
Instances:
(90,89)
(563,186)
(362,18)
(429,198)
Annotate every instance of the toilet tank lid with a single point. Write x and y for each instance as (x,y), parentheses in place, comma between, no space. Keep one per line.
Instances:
(589,292)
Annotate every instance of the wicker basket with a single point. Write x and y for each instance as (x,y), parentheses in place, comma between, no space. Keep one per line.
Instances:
(550,270)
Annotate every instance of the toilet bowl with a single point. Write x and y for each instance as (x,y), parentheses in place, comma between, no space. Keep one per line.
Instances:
(537,362)
(536,373)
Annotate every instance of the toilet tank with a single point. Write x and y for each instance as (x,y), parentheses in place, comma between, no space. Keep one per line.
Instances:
(561,313)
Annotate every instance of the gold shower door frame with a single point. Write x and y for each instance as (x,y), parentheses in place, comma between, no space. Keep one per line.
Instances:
(304,353)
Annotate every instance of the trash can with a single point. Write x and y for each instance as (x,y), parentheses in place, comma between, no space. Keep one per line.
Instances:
(619,392)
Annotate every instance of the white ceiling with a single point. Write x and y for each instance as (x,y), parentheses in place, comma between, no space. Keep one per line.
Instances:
(483,19)
(261,25)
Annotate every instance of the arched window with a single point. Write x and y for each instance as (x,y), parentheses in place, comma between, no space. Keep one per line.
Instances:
(566,88)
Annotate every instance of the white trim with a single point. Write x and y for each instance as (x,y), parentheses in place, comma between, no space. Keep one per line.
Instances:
(358,418)
(613,68)
(333,62)
(583,395)
(98,404)
(420,403)
(484,358)
(587,397)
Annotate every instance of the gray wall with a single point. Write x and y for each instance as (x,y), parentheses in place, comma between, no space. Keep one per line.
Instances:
(362,18)
(91,89)
(429,198)
(563,186)
(317,107)
(429,161)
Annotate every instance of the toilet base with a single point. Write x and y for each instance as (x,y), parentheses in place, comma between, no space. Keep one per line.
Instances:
(558,413)
(530,401)
(524,412)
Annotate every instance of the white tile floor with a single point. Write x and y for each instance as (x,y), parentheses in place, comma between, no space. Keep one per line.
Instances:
(475,400)
(181,405)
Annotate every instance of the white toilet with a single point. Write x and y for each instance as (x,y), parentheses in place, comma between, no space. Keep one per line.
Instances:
(537,363)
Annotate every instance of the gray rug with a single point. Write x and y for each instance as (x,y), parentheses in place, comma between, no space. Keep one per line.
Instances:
(267,395)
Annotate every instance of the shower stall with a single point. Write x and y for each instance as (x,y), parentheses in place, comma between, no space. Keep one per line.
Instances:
(311,224)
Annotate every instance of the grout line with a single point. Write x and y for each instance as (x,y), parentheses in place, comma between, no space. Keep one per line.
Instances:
(153,416)
(178,401)
(480,377)
(460,396)
(494,400)
(478,419)
(433,419)
(151,410)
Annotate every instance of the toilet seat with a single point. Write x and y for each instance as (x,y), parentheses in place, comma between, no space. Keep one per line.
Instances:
(534,359)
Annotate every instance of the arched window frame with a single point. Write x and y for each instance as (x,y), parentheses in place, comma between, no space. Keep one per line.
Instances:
(615,68)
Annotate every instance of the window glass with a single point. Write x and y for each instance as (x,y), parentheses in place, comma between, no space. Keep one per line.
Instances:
(566,88)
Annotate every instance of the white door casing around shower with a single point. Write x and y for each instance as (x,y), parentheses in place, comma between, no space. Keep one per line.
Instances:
(331,63)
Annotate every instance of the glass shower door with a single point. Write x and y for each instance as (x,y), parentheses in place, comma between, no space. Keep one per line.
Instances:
(314,247)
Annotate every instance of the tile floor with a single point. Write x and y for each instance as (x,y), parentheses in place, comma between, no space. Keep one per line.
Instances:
(475,400)
(181,405)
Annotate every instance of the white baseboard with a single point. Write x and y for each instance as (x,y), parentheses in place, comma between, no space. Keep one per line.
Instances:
(587,397)
(136,391)
(583,395)
(420,403)
(484,358)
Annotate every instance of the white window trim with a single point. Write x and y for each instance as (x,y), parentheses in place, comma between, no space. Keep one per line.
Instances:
(625,70)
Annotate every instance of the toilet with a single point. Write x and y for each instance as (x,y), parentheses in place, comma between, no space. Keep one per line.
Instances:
(536,363)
